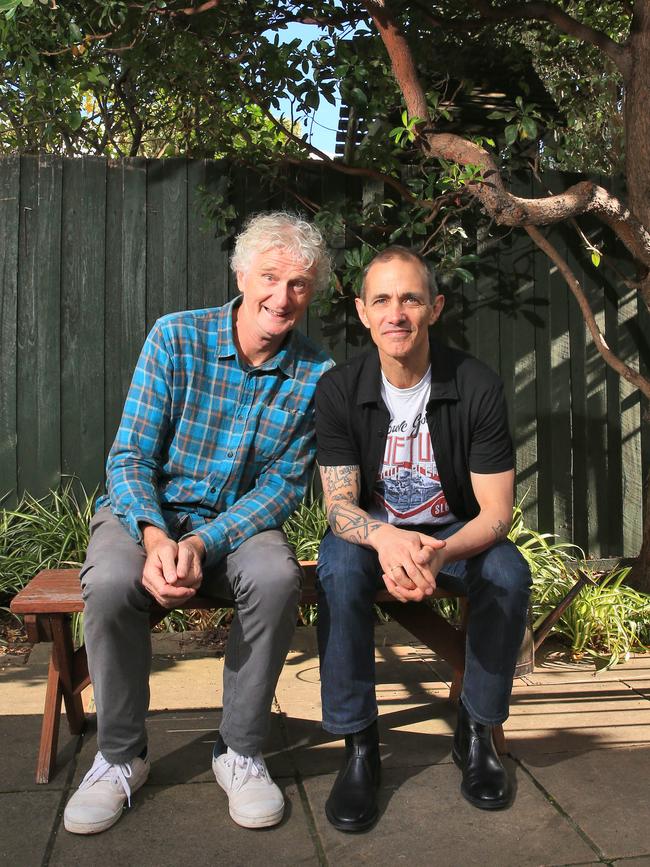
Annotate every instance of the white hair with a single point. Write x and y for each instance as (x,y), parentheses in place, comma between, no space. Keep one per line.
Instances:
(300,239)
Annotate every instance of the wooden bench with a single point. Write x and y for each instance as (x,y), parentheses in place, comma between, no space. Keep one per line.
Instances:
(48,601)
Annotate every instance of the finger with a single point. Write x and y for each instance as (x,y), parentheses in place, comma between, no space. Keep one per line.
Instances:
(167,556)
(431,541)
(394,589)
(420,576)
(401,593)
(399,576)
(183,562)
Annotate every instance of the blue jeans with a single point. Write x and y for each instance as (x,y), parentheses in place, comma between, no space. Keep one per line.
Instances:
(497,584)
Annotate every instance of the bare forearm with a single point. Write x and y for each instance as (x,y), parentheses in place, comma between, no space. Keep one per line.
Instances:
(488,528)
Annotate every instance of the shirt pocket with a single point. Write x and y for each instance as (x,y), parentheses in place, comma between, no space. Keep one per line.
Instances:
(276,429)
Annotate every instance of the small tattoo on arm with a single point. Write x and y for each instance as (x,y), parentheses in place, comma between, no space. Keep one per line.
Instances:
(500,531)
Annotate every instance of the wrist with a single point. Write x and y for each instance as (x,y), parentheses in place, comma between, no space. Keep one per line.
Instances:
(197,543)
(152,535)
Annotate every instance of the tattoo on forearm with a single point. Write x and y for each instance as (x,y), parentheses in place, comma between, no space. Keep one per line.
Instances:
(346,518)
(500,531)
(339,478)
(351,523)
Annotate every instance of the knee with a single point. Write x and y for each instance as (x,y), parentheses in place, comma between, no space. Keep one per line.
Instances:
(346,573)
(505,567)
(109,591)
(275,585)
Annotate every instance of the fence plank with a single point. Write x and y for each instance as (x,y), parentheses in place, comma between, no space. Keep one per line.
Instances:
(126,283)
(207,249)
(39,360)
(9,222)
(166,237)
(83,259)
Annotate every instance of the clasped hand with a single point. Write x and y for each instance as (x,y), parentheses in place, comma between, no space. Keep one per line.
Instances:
(172,572)
(410,562)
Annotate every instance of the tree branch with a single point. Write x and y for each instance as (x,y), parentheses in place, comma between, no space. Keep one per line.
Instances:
(490,190)
(628,373)
(543,11)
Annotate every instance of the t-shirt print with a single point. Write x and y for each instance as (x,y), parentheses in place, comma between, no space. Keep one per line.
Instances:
(407,488)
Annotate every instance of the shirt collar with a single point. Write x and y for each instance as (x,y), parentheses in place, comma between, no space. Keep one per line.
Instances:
(443,375)
(284,359)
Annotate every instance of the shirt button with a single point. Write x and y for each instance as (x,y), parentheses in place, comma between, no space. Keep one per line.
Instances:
(213,490)
(230,454)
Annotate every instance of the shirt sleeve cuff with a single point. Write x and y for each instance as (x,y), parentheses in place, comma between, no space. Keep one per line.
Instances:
(134,519)
(215,539)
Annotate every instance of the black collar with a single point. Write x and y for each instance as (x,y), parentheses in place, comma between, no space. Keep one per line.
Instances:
(443,374)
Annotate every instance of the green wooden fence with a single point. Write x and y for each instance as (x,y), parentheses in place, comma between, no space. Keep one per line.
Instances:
(92,252)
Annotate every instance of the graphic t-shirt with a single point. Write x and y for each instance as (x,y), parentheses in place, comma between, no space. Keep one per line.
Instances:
(407,489)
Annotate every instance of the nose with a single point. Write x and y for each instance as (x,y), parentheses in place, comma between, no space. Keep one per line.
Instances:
(395,310)
(281,293)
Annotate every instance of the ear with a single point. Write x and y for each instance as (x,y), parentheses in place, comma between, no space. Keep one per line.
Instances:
(241,276)
(361,311)
(436,308)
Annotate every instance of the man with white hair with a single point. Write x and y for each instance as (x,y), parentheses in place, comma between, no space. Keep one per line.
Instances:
(213,453)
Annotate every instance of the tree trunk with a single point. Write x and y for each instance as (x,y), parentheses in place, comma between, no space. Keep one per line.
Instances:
(637,158)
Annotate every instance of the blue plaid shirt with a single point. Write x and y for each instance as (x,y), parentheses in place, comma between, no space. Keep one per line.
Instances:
(206,446)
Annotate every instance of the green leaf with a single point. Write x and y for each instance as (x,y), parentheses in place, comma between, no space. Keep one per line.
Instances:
(595,258)
(529,126)
(511,133)
(358,97)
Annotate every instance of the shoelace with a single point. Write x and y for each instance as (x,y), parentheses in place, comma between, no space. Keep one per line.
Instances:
(251,766)
(102,769)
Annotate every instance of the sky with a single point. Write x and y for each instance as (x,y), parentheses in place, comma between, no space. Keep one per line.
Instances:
(322,124)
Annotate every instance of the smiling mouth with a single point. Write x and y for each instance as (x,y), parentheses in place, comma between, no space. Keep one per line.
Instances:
(276,314)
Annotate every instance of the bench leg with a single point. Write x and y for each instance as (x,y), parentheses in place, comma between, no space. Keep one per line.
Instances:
(63,655)
(50,726)
(61,685)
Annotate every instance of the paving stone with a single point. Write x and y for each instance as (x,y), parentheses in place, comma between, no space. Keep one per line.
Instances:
(606,793)
(424,820)
(189,826)
(642,686)
(643,861)
(19,740)
(575,716)
(553,666)
(27,821)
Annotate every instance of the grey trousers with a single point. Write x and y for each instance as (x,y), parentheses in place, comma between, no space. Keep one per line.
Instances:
(262,577)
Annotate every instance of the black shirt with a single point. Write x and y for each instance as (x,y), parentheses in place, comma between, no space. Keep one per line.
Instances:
(466,416)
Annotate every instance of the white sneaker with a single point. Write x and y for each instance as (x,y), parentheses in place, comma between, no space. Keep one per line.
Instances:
(253,798)
(98,802)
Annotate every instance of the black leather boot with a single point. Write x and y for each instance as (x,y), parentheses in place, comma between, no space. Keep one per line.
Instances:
(485,782)
(352,804)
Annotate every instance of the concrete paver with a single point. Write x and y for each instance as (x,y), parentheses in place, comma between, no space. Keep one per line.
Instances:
(607,793)
(581,748)
(424,820)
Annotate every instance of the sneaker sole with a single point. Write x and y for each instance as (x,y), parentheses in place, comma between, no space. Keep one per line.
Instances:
(88,828)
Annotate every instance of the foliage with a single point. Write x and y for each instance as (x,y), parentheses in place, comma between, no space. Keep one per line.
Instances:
(46,533)
(608,620)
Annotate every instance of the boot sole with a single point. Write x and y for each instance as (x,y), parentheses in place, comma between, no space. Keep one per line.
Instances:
(478,802)
(351,827)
